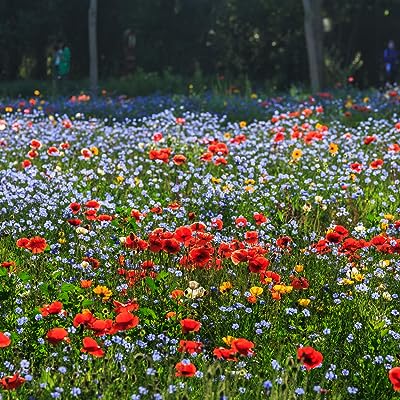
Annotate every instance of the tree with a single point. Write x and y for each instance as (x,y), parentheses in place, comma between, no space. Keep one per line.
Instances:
(93,61)
(314,42)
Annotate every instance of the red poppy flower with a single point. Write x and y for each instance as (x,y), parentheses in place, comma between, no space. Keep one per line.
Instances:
(85,318)
(239,256)
(217,223)
(241,221)
(35,144)
(33,154)
(356,167)
(94,262)
(283,242)
(333,237)
(190,325)
(12,382)
(269,277)
(5,341)
(100,326)
(243,346)
(8,264)
(157,137)
(74,221)
(258,265)
(251,237)
(190,347)
(369,139)
(183,234)
(309,357)
(259,218)
(171,246)
(299,283)
(179,159)
(198,227)
(376,164)
(124,321)
(23,243)
(200,255)
(53,151)
(92,347)
(26,164)
(185,369)
(394,377)
(56,335)
(104,217)
(131,305)
(207,157)
(225,354)
(53,308)
(37,244)
(92,204)
(91,214)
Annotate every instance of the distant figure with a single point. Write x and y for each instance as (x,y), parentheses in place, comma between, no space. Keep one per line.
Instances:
(57,54)
(391,60)
(129,51)
(65,61)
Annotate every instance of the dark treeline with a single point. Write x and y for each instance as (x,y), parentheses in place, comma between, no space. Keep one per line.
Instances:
(261,39)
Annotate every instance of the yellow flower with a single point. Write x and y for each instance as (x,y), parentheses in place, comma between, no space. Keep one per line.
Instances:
(227,135)
(299,268)
(389,217)
(225,287)
(36,93)
(288,289)
(307,207)
(228,340)
(249,181)
(282,288)
(296,155)
(243,124)
(304,302)
(366,99)
(253,96)
(94,150)
(62,240)
(384,263)
(215,180)
(346,281)
(103,291)
(333,148)
(384,226)
(359,277)
(249,188)
(227,188)
(256,290)
(8,109)
(120,179)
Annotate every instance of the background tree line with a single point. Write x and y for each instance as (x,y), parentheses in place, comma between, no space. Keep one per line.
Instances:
(263,40)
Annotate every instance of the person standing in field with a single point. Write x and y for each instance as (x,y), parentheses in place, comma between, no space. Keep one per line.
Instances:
(391,60)
(65,61)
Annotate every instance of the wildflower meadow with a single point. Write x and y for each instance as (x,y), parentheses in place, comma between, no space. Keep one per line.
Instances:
(200,249)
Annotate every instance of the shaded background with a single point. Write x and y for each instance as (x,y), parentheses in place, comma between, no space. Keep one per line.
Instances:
(260,39)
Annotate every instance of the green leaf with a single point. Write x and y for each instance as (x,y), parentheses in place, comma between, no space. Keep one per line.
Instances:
(3,272)
(151,284)
(68,287)
(162,275)
(87,303)
(147,312)
(24,276)
(44,288)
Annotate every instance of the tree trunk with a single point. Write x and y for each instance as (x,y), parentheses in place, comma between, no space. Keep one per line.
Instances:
(314,42)
(93,47)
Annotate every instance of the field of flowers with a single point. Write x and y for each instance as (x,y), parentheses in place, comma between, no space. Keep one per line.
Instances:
(183,254)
